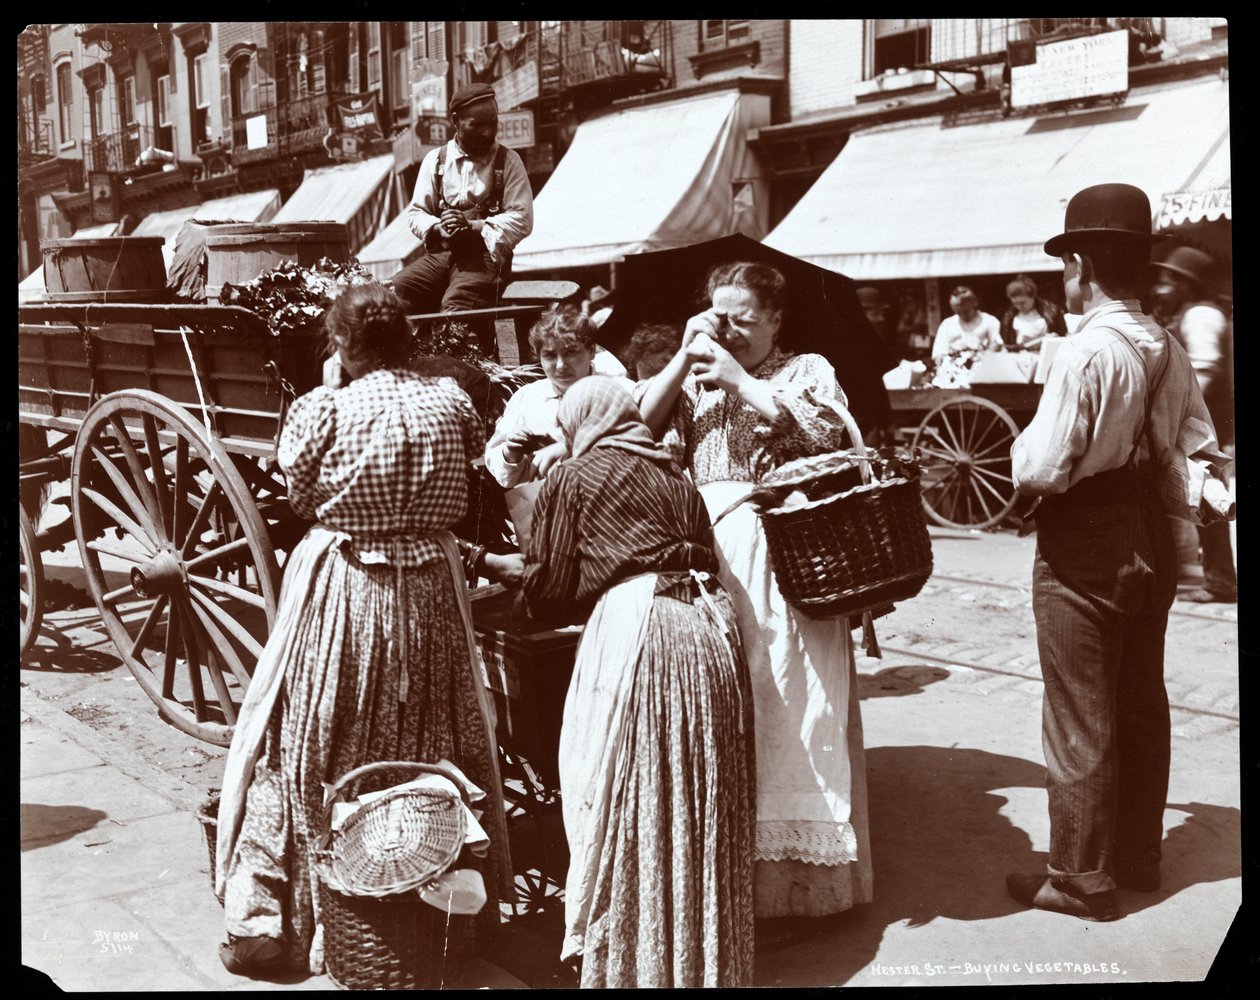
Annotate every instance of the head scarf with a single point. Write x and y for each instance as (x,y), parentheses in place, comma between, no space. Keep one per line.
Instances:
(596,412)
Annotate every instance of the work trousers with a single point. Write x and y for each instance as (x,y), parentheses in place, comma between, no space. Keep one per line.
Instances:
(1104,579)
(450,280)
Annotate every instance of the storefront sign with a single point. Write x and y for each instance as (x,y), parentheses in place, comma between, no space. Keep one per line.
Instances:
(428,96)
(1073,69)
(358,114)
(433,131)
(1195,206)
(256,132)
(517,87)
(598,63)
(105,196)
(516,129)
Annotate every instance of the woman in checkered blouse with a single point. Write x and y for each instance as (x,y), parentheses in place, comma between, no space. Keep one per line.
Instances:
(371,657)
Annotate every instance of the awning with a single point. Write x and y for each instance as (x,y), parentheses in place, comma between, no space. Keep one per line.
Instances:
(393,248)
(1205,197)
(927,199)
(255,206)
(652,177)
(357,194)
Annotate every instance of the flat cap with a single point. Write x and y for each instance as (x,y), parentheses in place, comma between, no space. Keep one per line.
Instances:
(470,94)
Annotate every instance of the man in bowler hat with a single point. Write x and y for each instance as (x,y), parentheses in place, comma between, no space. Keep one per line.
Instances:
(1104,575)
(1183,306)
(472,206)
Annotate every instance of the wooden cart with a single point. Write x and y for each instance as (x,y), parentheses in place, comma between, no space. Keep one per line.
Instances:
(964,439)
(164,420)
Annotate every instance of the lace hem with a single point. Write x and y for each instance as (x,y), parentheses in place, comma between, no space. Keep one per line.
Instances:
(812,842)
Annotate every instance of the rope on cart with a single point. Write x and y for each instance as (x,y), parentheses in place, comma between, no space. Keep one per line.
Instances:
(192,363)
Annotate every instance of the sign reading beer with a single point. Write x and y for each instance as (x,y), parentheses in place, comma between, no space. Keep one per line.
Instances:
(516,129)
(517,87)
(358,114)
(598,63)
(1069,70)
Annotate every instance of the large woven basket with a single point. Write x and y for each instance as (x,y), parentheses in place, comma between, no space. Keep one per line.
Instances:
(856,550)
(378,932)
(391,943)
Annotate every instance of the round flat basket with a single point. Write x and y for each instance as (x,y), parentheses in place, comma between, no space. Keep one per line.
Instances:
(400,841)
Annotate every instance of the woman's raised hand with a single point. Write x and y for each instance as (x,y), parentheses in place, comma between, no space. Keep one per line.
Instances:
(707,323)
(713,365)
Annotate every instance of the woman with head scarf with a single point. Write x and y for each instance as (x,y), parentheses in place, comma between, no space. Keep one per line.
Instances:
(657,768)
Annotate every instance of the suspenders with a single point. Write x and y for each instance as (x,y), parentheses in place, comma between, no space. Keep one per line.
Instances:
(493,196)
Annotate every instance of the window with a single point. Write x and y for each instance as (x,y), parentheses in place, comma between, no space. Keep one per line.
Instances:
(241,78)
(719,34)
(127,100)
(39,95)
(65,103)
(96,111)
(199,111)
(400,69)
(163,100)
(201,92)
(900,41)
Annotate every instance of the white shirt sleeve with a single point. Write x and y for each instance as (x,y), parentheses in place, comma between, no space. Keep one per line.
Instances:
(503,230)
(422,213)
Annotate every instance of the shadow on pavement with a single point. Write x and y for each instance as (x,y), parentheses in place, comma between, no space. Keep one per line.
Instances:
(43,825)
(1206,846)
(893,682)
(941,847)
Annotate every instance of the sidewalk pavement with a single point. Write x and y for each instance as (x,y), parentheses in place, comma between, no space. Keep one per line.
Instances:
(116,893)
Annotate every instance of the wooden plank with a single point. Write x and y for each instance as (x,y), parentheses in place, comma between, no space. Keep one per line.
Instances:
(540,291)
(500,312)
(505,335)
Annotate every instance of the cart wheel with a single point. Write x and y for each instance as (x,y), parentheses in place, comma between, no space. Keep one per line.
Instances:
(166,504)
(965,444)
(32,582)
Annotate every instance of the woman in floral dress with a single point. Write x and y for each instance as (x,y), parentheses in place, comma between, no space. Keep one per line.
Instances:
(734,405)
(371,656)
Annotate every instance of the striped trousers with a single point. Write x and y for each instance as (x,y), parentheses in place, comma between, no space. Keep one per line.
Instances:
(1104,579)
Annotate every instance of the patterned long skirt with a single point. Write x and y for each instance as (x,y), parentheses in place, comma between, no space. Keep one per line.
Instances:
(658,777)
(339,709)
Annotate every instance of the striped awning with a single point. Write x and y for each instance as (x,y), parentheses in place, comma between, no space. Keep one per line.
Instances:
(357,194)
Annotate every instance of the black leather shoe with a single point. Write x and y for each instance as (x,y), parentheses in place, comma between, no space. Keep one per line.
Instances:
(243,956)
(1037,892)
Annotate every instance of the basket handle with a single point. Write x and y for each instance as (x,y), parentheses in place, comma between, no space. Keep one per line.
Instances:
(855,435)
(336,788)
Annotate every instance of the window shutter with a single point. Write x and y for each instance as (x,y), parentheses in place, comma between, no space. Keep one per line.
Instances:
(437,39)
(417,40)
(352,58)
(374,56)
(225,101)
(262,83)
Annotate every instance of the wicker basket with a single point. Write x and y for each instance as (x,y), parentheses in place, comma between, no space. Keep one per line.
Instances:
(850,552)
(378,932)
(392,942)
(208,816)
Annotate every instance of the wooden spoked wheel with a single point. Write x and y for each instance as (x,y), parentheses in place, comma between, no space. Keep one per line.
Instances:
(32,582)
(965,449)
(189,584)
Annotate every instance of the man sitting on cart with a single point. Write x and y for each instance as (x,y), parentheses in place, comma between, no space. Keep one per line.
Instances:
(471,206)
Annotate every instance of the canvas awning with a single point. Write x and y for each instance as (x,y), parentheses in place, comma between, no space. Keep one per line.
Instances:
(1205,196)
(932,199)
(651,177)
(254,206)
(357,194)
(392,248)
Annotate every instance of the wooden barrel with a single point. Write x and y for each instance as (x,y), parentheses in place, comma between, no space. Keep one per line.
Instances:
(240,252)
(106,269)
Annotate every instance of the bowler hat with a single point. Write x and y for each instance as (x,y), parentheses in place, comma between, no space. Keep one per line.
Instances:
(870,297)
(1114,211)
(1189,263)
(470,94)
